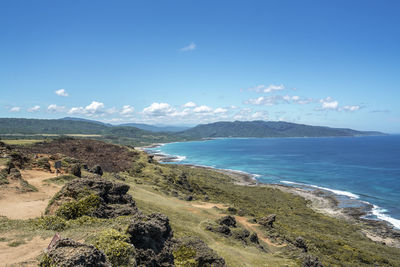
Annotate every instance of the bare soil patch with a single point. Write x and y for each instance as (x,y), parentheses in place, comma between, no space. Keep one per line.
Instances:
(17,205)
(22,255)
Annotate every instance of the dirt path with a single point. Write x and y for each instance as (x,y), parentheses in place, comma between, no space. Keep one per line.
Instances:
(17,205)
(23,255)
(242,220)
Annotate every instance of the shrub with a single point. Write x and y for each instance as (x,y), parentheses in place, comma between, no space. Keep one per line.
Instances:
(185,257)
(44,163)
(84,206)
(3,177)
(116,247)
(51,222)
(46,261)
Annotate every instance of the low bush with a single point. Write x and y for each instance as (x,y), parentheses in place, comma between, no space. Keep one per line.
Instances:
(51,222)
(84,206)
(116,247)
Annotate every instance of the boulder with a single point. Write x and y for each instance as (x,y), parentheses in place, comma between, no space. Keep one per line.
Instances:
(189,249)
(268,221)
(311,261)
(75,169)
(114,200)
(231,210)
(229,221)
(241,234)
(300,243)
(97,170)
(222,229)
(69,253)
(151,236)
(254,238)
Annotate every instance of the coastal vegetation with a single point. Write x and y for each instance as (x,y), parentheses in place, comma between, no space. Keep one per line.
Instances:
(265,227)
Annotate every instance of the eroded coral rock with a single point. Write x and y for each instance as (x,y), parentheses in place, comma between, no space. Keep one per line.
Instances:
(69,253)
(114,200)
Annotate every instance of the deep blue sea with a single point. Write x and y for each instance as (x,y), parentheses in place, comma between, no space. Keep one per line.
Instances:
(359,169)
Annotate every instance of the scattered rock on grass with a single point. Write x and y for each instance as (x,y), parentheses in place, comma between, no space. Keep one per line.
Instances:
(311,261)
(229,221)
(191,251)
(267,221)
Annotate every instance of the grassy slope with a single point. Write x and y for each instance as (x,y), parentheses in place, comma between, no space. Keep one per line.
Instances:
(334,241)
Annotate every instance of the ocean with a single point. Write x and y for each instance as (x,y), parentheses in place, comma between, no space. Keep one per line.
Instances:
(358,170)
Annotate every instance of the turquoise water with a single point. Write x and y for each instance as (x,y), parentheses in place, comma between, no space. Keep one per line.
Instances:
(361,169)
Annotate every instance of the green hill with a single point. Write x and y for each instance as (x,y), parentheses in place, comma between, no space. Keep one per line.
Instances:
(40,128)
(267,129)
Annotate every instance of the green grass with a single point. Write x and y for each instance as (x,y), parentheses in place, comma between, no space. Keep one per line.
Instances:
(60,180)
(3,161)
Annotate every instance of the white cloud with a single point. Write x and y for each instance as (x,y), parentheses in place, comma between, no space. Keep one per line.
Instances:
(127,110)
(54,108)
(158,109)
(220,110)
(190,47)
(259,115)
(202,109)
(34,108)
(267,89)
(15,109)
(112,110)
(61,92)
(76,110)
(264,100)
(190,105)
(351,108)
(329,103)
(94,108)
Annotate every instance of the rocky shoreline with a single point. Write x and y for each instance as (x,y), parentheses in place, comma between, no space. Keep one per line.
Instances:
(320,200)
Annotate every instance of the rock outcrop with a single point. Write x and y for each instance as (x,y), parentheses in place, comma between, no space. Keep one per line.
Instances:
(311,261)
(193,250)
(113,198)
(69,253)
(229,221)
(267,221)
(151,236)
(300,243)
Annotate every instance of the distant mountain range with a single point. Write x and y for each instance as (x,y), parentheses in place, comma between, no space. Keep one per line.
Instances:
(146,127)
(156,128)
(268,129)
(155,134)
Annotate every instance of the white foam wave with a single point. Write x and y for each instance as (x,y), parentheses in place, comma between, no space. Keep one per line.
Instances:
(178,158)
(380,214)
(337,192)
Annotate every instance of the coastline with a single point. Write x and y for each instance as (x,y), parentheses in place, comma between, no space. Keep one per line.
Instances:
(321,201)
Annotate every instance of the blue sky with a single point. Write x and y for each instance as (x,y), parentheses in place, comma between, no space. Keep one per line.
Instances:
(334,63)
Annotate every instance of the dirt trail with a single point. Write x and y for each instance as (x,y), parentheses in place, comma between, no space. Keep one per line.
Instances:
(17,205)
(242,220)
(23,255)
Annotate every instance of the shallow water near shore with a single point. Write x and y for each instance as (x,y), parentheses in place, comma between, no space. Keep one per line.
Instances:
(358,170)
